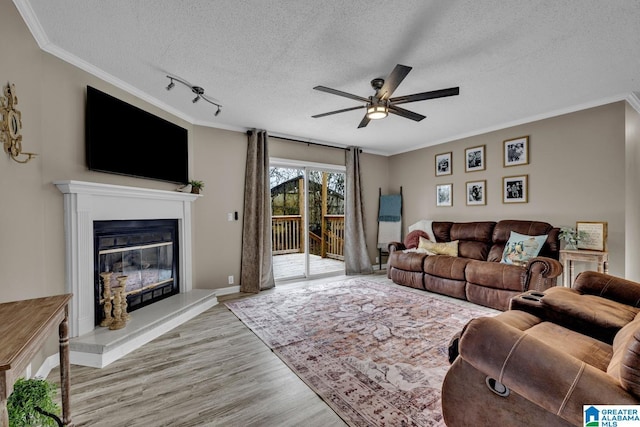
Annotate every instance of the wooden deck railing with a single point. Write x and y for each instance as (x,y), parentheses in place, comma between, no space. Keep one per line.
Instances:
(286,236)
(334,236)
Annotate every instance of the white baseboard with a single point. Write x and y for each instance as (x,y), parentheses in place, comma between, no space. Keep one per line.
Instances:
(48,365)
(228,290)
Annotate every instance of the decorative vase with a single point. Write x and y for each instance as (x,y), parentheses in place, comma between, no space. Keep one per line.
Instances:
(106,286)
(571,246)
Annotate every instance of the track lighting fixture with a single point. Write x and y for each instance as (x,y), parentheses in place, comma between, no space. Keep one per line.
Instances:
(199,92)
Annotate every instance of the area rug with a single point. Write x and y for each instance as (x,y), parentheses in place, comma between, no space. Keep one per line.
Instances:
(376,353)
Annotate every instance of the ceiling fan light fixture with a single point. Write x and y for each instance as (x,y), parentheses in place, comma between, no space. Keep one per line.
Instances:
(376,112)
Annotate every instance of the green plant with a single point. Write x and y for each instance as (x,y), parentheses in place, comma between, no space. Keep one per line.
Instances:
(31,403)
(571,236)
(197,184)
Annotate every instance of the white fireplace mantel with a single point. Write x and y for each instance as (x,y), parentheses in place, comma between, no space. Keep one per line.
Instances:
(86,202)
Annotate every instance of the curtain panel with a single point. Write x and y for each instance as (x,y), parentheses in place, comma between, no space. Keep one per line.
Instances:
(256,271)
(356,255)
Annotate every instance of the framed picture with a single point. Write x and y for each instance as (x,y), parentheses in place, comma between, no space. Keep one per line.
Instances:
(593,235)
(444,195)
(443,164)
(476,193)
(515,189)
(474,159)
(516,151)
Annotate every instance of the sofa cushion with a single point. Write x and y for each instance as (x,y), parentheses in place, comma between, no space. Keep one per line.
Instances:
(442,248)
(474,237)
(445,266)
(592,315)
(495,275)
(502,232)
(590,350)
(442,230)
(520,248)
(625,362)
(413,238)
(411,261)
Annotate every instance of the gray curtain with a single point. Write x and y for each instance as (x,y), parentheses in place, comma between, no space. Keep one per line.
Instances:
(356,255)
(257,268)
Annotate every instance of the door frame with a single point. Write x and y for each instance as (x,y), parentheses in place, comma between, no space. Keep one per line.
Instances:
(305,165)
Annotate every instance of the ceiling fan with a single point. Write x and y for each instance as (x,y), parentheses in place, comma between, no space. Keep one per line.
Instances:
(381,104)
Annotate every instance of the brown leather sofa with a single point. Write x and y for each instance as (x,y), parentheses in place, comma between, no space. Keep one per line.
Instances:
(477,274)
(550,354)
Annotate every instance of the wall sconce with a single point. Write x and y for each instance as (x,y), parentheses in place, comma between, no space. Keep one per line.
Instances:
(10,126)
(199,92)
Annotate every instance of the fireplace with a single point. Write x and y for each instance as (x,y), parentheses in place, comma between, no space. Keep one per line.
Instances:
(87,204)
(145,252)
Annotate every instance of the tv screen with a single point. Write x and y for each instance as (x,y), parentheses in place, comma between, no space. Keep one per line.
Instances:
(126,140)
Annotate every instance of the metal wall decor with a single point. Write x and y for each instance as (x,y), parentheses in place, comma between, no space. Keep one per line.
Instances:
(10,126)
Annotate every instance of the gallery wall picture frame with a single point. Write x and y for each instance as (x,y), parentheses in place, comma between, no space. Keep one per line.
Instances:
(443,164)
(515,189)
(593,235)
(474,159)
(444,195)
(476,193)
(516,151)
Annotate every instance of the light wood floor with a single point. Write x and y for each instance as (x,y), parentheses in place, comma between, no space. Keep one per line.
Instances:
(211,371)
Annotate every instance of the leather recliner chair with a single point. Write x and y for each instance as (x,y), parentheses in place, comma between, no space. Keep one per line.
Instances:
(550,354)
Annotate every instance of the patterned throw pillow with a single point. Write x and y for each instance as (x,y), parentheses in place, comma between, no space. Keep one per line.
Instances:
(520,248)
(444,248)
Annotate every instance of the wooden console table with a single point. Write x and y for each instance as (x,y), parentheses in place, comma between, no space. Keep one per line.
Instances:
(24,328)
(569,256)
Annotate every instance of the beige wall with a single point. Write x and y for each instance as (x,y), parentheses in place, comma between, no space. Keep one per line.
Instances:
(576,172)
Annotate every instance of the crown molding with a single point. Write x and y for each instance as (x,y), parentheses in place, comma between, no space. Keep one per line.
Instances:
(634,100)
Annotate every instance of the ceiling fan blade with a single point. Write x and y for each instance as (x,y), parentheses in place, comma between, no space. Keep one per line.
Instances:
(452,91)
(338,111)
(392,81)
(405,113)
(365,121)
(340,93)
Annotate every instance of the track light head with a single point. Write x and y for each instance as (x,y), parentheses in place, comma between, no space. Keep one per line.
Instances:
(171,85)
(196,99)
(217,112)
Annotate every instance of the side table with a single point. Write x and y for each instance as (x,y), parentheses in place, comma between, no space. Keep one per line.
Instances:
(24,328)
(569,256)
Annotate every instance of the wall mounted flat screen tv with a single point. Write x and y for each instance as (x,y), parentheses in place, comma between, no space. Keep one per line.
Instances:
(127,140)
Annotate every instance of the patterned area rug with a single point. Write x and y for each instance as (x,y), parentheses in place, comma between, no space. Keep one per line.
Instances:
(376,353)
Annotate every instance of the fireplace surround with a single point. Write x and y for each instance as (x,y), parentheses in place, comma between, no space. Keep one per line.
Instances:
(86,202)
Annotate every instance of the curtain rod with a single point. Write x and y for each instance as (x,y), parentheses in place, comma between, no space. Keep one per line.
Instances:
(306,142)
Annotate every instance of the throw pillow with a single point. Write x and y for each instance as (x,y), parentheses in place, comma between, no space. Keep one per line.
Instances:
(413,239)
(424,225)
(520,248)
(443,248)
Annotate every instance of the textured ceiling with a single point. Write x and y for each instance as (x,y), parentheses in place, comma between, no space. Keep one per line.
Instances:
(514,61)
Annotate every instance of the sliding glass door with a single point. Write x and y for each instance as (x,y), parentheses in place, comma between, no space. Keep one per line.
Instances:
(307,203)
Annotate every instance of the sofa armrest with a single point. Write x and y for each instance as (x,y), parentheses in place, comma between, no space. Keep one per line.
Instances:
(544,375)
(541,273)
(610,287)
(396,246)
